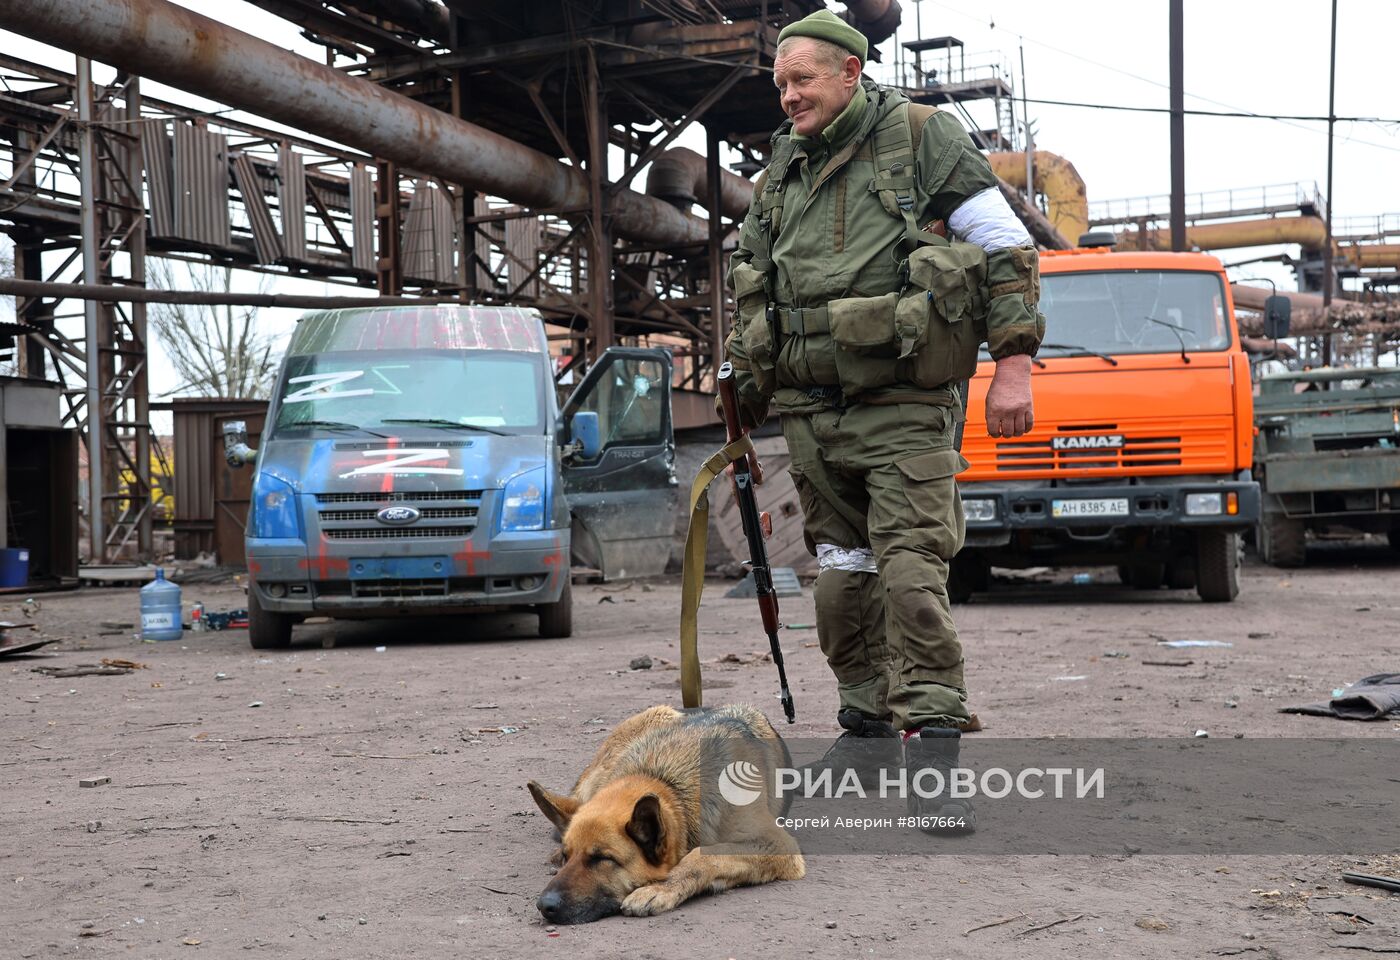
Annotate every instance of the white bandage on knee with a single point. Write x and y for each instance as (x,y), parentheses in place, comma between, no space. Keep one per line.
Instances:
(986,219)
(851,560)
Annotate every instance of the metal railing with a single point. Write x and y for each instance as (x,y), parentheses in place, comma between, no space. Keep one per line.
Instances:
(1214,204)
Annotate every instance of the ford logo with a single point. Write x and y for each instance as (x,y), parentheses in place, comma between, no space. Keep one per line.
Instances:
(397,516)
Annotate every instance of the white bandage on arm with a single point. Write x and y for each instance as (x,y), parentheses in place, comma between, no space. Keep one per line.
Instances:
(851,560)
(986,219)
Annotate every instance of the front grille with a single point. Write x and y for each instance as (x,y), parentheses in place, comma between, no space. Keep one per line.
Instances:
(1024,456)
(398,496)
(427,513)
(398,588)
(395,533)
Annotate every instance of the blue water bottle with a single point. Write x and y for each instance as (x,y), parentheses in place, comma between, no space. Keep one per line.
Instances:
(160,609)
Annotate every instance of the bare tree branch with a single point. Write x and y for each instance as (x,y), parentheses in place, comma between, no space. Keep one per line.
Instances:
(216,351)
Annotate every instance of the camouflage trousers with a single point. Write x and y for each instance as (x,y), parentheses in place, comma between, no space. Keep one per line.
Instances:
(881,478)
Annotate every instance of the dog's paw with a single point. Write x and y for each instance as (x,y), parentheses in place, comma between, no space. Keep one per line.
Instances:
(650,900)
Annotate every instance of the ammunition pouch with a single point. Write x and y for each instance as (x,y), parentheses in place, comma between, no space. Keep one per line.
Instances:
(754,325)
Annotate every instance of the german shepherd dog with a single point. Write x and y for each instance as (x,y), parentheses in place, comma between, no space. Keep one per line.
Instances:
(666,811)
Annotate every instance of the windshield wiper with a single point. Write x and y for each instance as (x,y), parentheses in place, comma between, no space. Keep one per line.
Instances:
(328,424)
(1179,338)
(333,425)
(1078,349)
(439,422)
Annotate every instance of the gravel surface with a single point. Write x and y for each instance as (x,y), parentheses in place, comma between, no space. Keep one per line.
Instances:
(343,800)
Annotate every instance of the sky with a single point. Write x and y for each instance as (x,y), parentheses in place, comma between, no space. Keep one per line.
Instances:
(1256,56)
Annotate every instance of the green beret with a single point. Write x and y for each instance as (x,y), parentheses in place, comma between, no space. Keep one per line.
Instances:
(825,25)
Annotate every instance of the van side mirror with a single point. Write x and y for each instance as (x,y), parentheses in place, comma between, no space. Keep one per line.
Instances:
(588,440)
(236,449)
(1277,313)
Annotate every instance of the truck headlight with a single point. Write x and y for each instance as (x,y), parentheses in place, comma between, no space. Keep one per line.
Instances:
(523,501)
(980,510)
(1202,504)
(273,514)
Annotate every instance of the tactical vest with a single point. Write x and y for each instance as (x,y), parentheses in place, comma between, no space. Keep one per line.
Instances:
(924,335)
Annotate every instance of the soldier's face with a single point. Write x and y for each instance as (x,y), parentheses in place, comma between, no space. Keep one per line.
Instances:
(811,94)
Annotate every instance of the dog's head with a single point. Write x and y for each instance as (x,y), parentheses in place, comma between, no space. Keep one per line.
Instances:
(623,838)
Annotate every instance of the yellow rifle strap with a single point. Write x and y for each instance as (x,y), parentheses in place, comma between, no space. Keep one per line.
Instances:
(693,566)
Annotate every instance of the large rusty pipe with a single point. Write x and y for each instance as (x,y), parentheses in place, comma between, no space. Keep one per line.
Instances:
(1309,232)
(877,19)
(678,176)
(1057,179)
(172,45)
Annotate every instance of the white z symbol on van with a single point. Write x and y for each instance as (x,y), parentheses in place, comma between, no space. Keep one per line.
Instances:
(406,460)
(322,386)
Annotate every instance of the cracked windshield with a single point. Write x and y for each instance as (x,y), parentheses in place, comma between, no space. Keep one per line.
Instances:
(449,389)
(1122,312)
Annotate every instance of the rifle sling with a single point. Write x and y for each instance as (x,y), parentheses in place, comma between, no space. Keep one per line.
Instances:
(693,565)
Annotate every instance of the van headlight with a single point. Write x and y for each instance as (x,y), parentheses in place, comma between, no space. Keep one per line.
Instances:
(980,510)
(274,514)
(522,503)
(1202,504)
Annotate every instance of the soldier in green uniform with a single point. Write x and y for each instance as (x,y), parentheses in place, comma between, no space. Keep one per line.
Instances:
(859,325)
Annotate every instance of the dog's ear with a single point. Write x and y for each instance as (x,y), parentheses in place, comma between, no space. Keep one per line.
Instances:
(645,827)
(559,810)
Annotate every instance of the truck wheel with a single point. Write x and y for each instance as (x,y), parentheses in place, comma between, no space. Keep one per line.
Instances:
(1217,566)
(557,619)
(267,630)
(1281,540)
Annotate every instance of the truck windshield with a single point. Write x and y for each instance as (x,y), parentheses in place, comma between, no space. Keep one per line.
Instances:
(1117,312)
(500,392)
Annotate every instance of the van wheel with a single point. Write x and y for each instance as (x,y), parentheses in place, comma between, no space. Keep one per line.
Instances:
(267,630)
(1282,540)
(1217,566)
(557,619)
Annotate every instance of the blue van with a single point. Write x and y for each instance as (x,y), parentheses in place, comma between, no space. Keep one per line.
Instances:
(416,461)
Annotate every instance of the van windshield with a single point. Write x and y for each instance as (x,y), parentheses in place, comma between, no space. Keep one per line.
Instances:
(439,389)
(1118,312)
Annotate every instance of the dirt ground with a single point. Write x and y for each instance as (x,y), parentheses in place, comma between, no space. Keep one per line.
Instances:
(363,795)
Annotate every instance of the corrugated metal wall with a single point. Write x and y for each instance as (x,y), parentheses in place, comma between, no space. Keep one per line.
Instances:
(362,218)
(429,235)
(523,245)
(291,197)
(265,237)
(155,151)
(201,186)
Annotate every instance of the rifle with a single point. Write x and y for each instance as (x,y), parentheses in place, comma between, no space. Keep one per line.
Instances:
(744,471)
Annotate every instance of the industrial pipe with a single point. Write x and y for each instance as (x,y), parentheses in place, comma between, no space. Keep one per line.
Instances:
(1309,232)
(112,293)
(1363,255)
(1056,178)
(678,177)
(172,45)
(877,19)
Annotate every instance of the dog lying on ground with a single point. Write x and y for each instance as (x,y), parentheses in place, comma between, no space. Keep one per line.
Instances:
(667,810)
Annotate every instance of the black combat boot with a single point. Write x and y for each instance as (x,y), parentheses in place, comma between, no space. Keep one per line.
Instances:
(867,746)
(941,815)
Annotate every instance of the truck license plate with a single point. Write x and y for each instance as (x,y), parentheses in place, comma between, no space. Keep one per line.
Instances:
(1104,507)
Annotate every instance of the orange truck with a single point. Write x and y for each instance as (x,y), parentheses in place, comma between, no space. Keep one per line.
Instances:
(1140,454)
